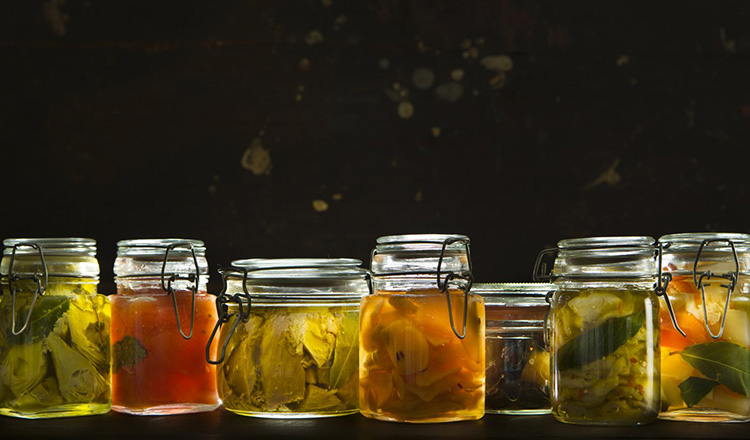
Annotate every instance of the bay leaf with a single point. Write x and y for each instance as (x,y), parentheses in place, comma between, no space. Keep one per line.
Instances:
(47,310)
(598,342)
(693,389)
(127,352)
(346,351)
(725,362)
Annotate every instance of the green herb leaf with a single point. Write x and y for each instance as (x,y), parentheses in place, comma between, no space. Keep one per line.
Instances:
(693,389)
(346,352)
(725,362)
(47,310)
(127,352)
(599,341)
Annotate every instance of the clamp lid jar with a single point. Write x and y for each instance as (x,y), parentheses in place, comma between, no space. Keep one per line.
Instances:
(161,319)
(289,348)
(706,281)
(54,329)
(604,330)
(517,358)
(422,332)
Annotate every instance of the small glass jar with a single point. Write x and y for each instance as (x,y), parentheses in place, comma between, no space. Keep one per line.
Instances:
(54,330)
(422,333)
(289,348)
(161,320)
(517,359)
(705,360)
(605,331)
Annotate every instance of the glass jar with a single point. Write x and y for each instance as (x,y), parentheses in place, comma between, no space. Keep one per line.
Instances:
(705,357)
(605,331)
(422,333)
(161,320)
(517,359)
(294,352)
(54,330)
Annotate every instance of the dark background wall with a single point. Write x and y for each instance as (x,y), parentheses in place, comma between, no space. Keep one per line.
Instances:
(309,128)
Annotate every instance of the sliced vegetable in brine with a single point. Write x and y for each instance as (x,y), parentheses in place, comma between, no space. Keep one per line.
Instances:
(594,344)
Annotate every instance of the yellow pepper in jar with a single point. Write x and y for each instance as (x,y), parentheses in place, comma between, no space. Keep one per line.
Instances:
(412,365)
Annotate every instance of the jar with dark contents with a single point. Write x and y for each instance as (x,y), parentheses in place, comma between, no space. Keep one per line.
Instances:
(517,358)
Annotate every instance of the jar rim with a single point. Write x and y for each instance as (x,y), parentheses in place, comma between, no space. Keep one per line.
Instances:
(605,242)
(52,246)
(149,247)
(513,289)
(694,239)
(300,268)
(419,238)
(514,294)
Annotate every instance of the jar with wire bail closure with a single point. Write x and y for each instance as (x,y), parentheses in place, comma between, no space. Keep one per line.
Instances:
(54,330)
(705,354)
(604,330)
(517,356)
(288,337)
(422,332)
(162,317)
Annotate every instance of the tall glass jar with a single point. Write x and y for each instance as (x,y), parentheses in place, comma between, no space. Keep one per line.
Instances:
(54,330)
(289,338)
(161,320)
(605,331)
(705,357)
(517,357)
(422,333)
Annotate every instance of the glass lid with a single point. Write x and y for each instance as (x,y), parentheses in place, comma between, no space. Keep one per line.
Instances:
(301,268)
(606,257)
(51,246)
(156,247)
(719,241)
(514,294)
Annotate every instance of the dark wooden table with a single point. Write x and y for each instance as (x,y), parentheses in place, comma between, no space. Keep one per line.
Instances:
(224,425)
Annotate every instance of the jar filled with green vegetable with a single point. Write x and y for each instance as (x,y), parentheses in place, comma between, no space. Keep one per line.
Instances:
(705,351)
(54,330)
(605,330)
(288,337)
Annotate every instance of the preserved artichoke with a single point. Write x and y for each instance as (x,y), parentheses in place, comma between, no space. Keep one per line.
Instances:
(292,362)
(59,365)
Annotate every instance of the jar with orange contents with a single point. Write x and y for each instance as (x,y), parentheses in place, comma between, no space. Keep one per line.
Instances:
(422,349)
(705,351)
(162,317)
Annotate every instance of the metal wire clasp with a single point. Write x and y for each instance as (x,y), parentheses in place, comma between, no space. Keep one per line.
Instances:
(41,286)
(450,275)
(662,282)
(224,316)
(166,284)
(707,275)
(541,272)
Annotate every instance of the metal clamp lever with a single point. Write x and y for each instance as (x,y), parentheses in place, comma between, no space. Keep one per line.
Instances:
(224,316)
(731,276)
(194,278)
(41,286)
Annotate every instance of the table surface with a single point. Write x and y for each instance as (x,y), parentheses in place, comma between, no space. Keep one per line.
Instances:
(222,424)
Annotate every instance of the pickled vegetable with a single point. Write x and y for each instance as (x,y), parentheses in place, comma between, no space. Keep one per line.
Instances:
(700,375)
(604,367)
(59,366)
(412,366)
(154,369)
(292,362)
